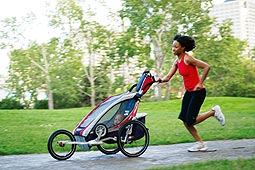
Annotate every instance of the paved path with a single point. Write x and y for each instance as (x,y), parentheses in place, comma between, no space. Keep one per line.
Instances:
(153,157)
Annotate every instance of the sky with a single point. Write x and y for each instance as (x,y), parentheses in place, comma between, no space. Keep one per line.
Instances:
(18,8)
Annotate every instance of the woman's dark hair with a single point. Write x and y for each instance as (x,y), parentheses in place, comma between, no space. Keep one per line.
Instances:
(185,41)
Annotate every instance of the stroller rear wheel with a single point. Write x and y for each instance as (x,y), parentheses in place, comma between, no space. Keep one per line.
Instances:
(133,138)
(108,149)
(58,146)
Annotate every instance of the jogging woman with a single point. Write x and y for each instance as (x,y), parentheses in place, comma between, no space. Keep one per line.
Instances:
(195,93)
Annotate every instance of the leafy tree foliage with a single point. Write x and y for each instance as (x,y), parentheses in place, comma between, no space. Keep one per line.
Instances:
(86,36)
(24,76)
(225,55)
(161,20)
(68,66)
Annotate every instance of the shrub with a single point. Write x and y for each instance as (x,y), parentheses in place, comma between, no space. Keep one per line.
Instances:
(41,104)
(10,103)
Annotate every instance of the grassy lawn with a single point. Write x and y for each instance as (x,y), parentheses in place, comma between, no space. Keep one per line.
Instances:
(27,131)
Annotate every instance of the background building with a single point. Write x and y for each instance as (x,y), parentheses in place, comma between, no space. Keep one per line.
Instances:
(242,14)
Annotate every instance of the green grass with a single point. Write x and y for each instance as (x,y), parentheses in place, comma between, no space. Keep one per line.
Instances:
(27,131)
(240,164)
(165,128)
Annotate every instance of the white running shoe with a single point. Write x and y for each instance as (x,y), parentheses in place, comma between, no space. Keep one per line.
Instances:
(219,115)
(198,147)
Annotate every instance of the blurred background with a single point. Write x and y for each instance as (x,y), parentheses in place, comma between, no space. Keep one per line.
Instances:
(74,53)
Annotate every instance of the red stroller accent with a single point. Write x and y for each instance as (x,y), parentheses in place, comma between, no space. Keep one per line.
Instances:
(112,126)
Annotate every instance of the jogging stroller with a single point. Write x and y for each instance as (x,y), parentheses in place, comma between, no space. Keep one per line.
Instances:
(112,126)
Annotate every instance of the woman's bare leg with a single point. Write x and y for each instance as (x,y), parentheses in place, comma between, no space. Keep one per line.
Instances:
(200,118)
(204,116)
(193,131)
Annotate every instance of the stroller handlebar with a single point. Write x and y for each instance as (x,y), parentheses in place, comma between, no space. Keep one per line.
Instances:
(145,86)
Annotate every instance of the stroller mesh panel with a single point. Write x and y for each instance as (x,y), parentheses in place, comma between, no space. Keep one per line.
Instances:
(122,109)
(98,110)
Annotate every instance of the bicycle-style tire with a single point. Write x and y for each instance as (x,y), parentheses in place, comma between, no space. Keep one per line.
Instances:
(108,149)
(61,151)
(135,142)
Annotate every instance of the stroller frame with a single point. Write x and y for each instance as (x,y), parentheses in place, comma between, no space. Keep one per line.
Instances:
(130,136)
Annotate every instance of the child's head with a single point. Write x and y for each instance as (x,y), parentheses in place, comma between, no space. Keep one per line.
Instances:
(118,118)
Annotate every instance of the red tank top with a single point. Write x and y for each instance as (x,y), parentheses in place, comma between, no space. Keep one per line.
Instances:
(189,74)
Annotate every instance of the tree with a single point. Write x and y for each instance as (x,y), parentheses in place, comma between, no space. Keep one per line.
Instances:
(160,20)
(11,34)
(65,71)
(22,76)
(30,71)
(55,70)
(224,53)
(86,36)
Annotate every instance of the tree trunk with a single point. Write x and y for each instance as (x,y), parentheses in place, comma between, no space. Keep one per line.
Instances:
(159,58)
(111,81)
(48,80)
(167,93)
(92,81)
(49,94)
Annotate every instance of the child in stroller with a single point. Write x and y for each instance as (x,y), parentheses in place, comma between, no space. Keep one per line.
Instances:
(112,126)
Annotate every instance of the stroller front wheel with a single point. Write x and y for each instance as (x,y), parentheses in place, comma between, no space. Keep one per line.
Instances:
(133,138)
(58,146)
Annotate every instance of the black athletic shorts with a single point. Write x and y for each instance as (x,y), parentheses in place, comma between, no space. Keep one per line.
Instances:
(191,104)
